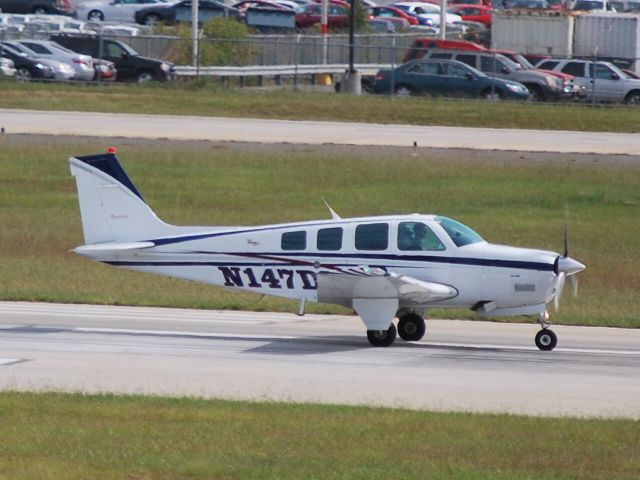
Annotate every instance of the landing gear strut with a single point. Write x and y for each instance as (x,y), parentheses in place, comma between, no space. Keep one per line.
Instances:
(546,339)
(382,338)
(411,327)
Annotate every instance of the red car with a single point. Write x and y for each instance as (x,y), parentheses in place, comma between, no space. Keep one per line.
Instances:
(386,11)
(473,13)
(337,16)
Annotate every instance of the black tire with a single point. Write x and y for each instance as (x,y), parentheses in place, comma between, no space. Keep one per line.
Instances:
(150,19)
(40,10)
(633,98)
(95,15)
(546,340)
(382,338)
(145,76)
(496,94)
(411,327)
(536,94)
(404,91)
(23,75)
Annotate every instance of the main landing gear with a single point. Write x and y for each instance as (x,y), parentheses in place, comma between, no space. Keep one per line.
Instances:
(411,328)
(546,339)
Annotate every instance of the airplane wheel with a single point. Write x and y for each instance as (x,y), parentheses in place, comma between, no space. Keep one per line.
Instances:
(382,338)
(546,340)
(411,327)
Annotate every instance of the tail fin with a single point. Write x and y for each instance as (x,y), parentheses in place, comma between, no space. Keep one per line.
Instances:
(111,207)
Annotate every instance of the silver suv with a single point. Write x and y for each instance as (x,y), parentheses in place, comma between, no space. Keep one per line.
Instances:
(542,85)
(608,83)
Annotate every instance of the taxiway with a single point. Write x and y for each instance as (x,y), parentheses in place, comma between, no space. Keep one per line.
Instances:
(459,366)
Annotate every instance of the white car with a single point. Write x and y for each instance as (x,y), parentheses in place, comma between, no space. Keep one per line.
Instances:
(428,11)
(82,64)
(611,83)
(7,67)
(112,11)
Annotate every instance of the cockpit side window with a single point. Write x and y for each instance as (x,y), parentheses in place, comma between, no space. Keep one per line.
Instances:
(460,234)
(416,236)
(373,236)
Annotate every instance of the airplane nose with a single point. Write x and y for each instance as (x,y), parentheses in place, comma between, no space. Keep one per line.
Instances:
(568,266)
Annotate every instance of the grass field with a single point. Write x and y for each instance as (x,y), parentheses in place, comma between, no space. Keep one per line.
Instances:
(209,99)
(55,436)
(516,203)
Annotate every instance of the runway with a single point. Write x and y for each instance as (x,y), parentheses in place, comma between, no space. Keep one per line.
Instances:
(316,133)
(458,366)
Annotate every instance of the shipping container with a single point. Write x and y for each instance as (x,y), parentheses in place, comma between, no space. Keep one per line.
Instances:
(540,33)
(612,35)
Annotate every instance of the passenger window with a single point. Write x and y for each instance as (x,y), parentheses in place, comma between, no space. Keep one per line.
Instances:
(416,236)
(574,68)
(602,72)
(445,56)
(468,59)
(548,65)
(294,240)
(487,64)
(374,236)
(457,71)
(330,238)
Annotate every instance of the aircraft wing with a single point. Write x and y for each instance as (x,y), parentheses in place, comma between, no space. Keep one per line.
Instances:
(376,294)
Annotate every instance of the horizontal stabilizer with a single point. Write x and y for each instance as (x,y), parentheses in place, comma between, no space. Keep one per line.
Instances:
(112,247)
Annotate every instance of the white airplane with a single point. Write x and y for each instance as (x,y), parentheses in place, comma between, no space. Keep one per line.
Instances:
(382,267)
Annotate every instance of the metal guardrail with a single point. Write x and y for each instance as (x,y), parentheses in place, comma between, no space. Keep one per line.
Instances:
(275,70)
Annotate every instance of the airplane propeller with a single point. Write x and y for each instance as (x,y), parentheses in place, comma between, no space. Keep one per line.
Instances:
(566,267)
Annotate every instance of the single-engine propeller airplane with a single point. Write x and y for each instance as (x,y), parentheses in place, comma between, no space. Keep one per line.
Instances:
(383,267)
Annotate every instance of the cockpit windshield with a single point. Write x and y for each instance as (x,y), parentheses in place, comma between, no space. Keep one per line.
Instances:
(460,234)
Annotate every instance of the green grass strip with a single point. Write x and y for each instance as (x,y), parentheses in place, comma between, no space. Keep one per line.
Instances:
(74,436)
(207,98)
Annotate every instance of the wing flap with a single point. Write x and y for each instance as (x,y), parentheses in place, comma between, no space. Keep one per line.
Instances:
(376,284)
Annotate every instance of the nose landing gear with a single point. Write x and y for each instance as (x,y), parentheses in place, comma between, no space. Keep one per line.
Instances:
(546,339)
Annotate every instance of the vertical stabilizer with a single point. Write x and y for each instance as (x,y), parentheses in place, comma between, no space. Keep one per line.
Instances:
(111,207)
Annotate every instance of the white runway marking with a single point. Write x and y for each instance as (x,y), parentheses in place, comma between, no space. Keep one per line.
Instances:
(10,361)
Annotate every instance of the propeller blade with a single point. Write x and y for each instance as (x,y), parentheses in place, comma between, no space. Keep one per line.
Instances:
(559,289)
(573,283)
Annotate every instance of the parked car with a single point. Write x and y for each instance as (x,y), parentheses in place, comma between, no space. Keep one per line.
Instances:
(387,11)
(593,6)
(611,84)
(173,12)
(130,65)
(473,13)
(428,11)
(542,85)
(104,70)
(7,67)
(30,66)
(59,7)
(445,77)
(420,46)
(113,11)
(82,64)
(309,15)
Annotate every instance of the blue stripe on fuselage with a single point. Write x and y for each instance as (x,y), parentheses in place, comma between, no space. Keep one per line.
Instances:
(290,258)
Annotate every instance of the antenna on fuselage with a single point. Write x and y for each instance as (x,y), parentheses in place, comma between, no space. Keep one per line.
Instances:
(334,215)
